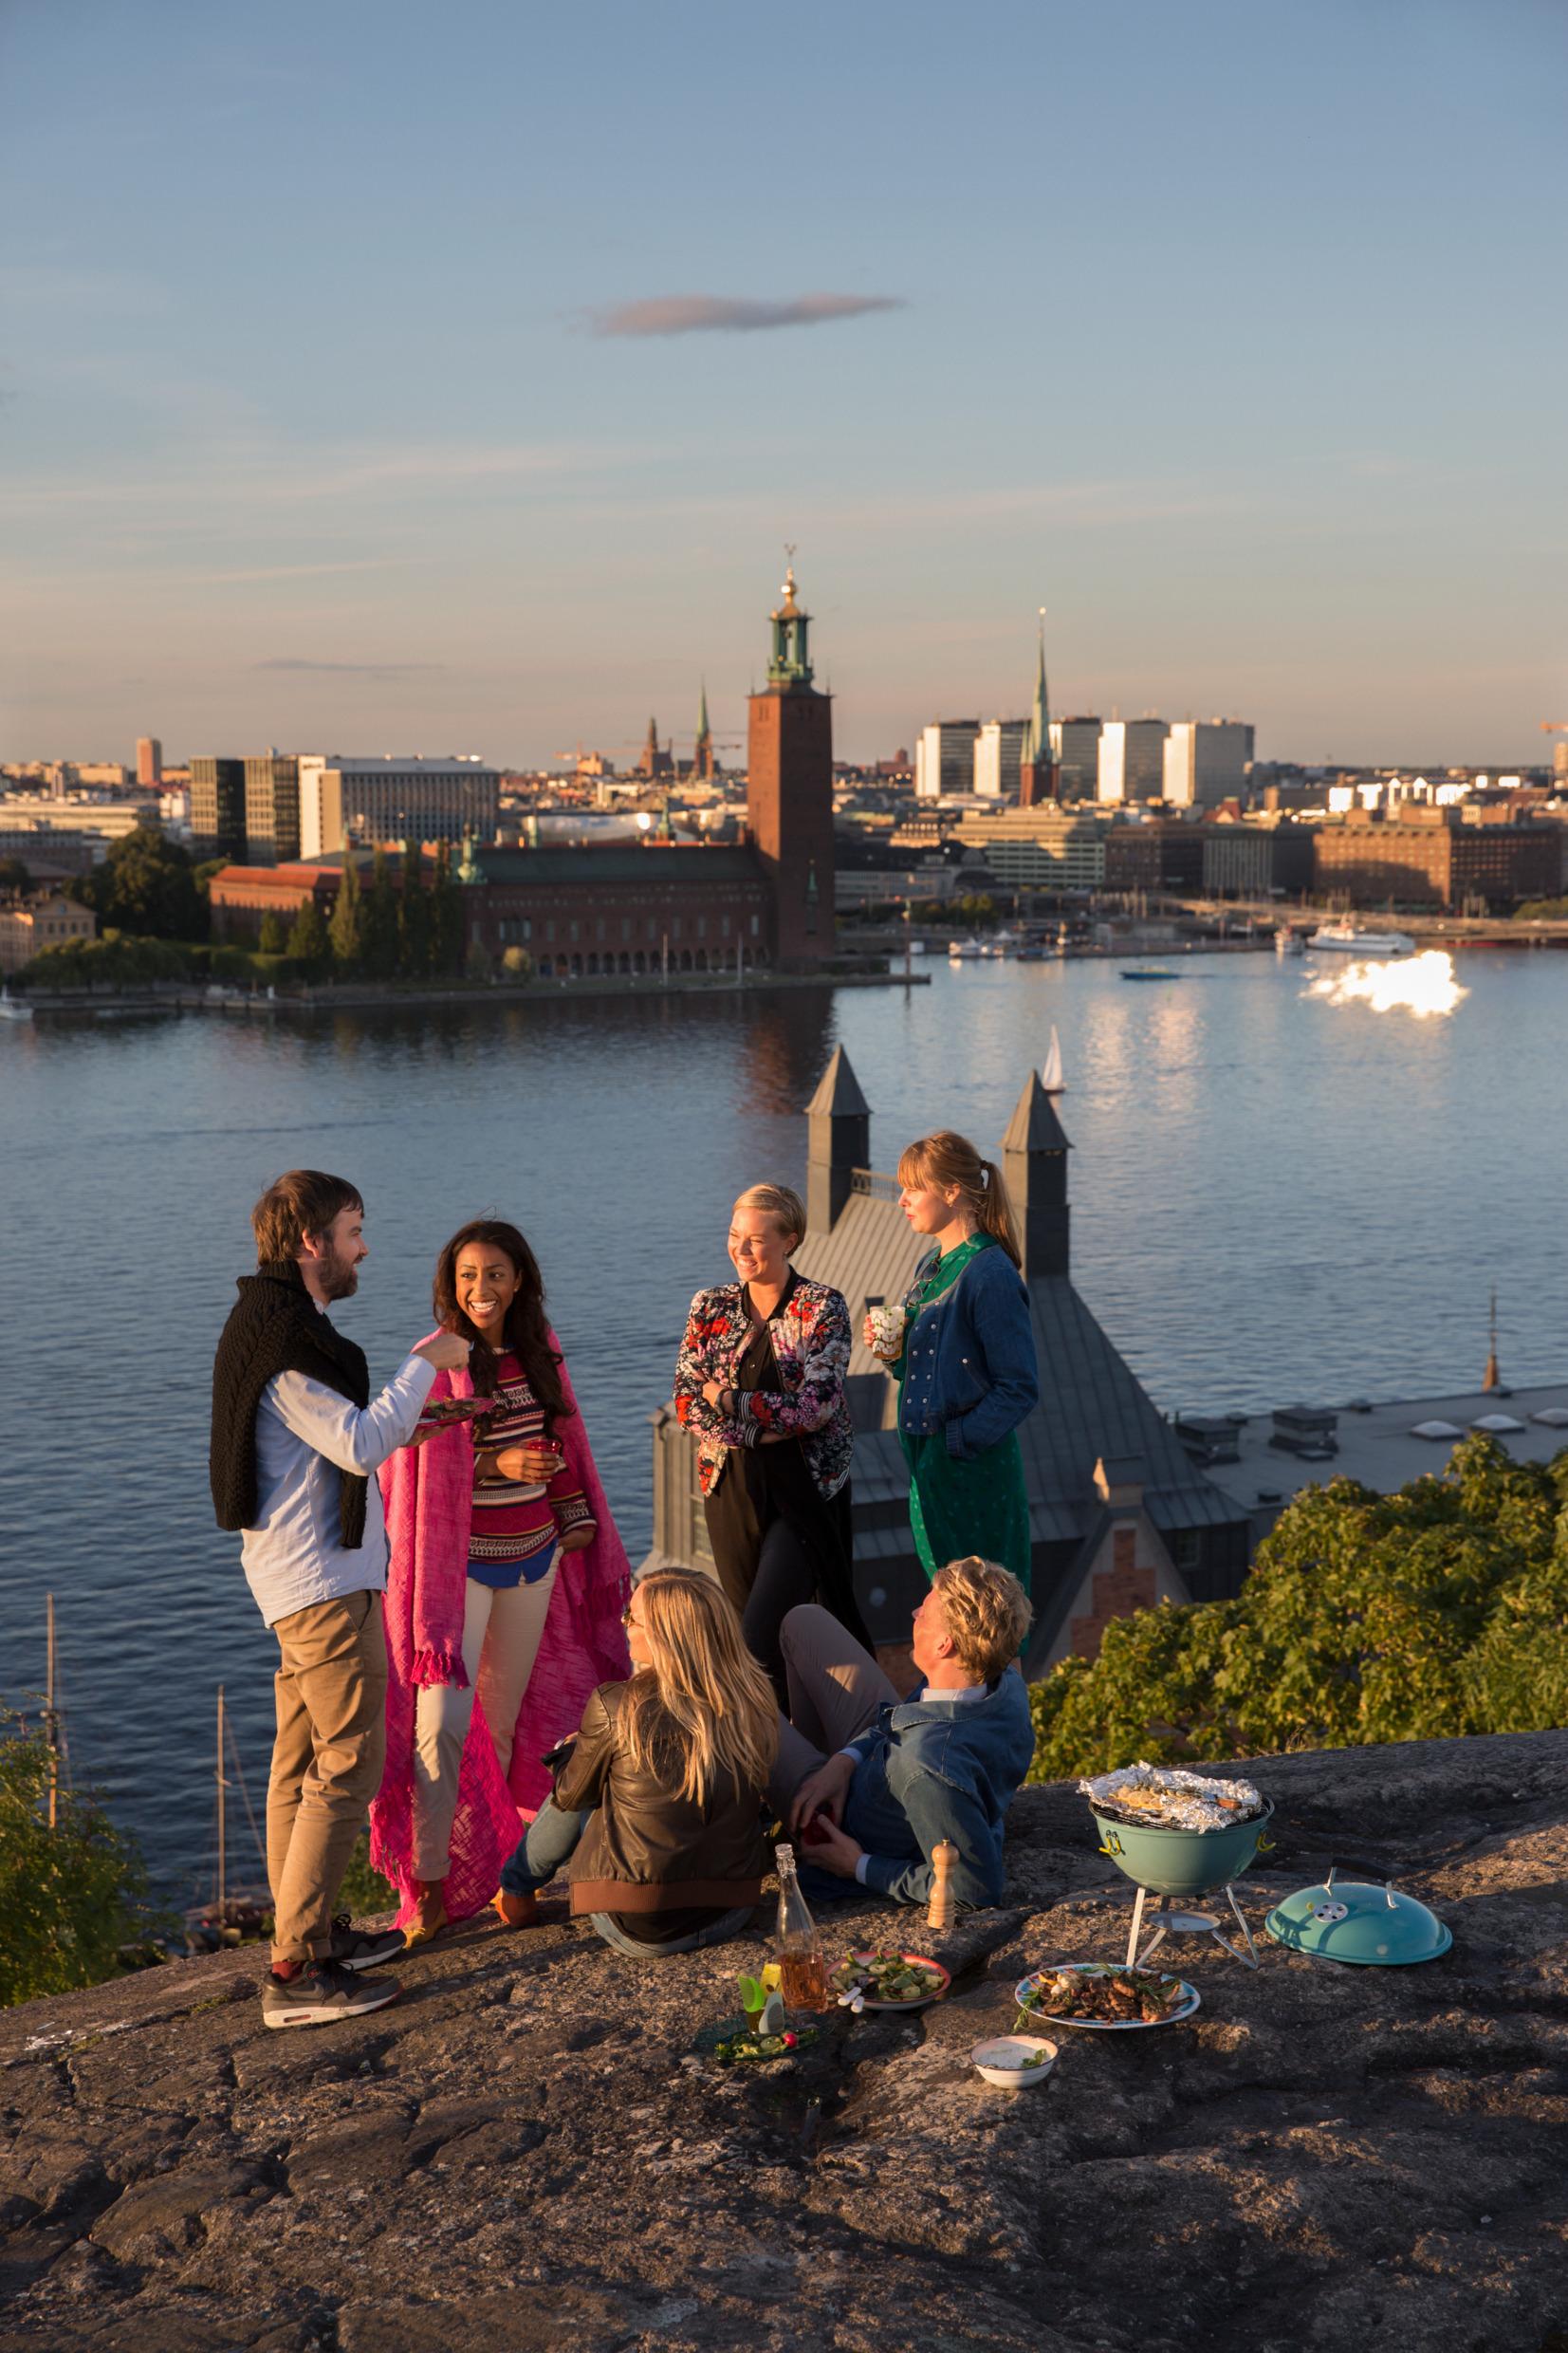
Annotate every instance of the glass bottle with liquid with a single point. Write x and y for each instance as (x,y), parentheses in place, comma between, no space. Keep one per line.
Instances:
(798,1942)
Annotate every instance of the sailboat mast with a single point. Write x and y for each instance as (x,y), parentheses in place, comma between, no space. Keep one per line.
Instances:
(51,1717)
(223,1827)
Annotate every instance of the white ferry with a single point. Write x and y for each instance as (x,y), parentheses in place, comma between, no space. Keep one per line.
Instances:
(963,951)
(1345,939)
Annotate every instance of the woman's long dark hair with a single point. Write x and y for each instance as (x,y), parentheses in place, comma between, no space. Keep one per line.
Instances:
(526,1331)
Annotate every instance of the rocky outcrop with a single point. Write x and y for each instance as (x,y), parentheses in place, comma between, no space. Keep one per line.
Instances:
(529,2153)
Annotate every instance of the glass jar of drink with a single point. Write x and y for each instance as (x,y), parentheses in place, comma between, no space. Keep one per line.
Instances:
(798,1942)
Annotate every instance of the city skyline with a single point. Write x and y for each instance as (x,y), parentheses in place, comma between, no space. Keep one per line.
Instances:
(364,397)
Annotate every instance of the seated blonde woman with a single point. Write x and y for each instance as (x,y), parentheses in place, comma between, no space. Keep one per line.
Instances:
(658,1799)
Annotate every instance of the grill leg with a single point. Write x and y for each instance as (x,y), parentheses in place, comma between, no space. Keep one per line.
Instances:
(1137,1927)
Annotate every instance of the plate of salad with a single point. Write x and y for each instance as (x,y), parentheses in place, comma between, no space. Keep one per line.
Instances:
(1099,1995)
(884,1980)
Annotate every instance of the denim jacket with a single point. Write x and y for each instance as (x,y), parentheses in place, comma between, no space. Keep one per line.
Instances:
(971,1369)
(940,1768)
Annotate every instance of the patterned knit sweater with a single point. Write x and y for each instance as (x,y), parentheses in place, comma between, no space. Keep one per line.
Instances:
(513,1519)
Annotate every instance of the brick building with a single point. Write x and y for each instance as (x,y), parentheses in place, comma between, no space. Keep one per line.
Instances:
(1424,857)
(625,908)
(789,793)
(243,895)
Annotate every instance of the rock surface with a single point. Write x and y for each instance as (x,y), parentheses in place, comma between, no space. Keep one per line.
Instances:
(524,2153)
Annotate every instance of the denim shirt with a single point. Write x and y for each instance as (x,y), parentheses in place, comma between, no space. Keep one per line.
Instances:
(940,1768)
(971,1370)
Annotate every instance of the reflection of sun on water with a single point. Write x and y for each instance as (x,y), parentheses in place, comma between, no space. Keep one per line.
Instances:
(1421,985)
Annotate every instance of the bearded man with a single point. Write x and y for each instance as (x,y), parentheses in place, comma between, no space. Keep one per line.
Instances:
(296,1442)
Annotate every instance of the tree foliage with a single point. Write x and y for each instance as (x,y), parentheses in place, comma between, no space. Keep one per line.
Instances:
(273,939)
(1438,1611)
(308,945)
(381,924)
(346,931)
(146,884)
(70,1898)
(14,875)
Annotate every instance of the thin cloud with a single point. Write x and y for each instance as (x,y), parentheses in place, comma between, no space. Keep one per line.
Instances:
(732,314)
(355,670)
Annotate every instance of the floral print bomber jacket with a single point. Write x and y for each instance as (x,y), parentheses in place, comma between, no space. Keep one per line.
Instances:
(811,1341)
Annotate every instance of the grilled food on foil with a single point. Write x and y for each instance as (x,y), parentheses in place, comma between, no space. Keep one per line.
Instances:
(1163,1797)
(1109,1997)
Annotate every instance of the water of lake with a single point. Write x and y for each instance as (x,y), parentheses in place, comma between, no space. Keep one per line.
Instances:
(1274,1196)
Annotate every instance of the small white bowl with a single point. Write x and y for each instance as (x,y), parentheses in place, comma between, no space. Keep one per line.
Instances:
(1001,2060)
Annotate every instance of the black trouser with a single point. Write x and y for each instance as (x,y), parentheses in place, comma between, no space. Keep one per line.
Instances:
(786,1575)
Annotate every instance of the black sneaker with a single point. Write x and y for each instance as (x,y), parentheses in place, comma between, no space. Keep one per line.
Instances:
(363,1948)
(321,1994)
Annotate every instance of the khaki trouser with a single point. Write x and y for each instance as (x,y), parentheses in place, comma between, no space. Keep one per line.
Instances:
(331,1688)
(503,1626)
(835,1691)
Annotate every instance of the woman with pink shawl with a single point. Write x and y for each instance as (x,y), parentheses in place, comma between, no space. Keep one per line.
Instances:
(506,1582)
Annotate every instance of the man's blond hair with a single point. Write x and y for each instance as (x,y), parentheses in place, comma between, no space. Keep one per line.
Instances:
(988,1613)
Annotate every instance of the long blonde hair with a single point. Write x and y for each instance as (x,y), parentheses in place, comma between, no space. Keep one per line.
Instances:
(702,1706)
(946,1159)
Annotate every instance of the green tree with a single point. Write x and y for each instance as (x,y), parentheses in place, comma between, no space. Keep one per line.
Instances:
(517,963)
(412,917)
(346,930)
(308,945)
(479,964)
(447,943)
(70,1897)
(274,935)
(14,876)
(380,923)
(1435,1612)
(146,884)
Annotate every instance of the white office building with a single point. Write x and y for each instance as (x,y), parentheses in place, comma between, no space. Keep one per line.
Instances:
(944,760)
(366,800)
(1075,750)
(1207,762)
(998,758)
(1132,760)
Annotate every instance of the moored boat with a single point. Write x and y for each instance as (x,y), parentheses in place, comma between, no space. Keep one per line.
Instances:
(1345,939)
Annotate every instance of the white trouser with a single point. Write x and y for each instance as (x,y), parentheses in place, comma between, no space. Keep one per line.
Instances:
(502,1627)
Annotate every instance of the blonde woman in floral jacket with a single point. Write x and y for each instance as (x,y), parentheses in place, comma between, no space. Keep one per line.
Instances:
(760,1383)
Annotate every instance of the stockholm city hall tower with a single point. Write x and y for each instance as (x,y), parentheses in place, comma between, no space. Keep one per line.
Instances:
(789,792)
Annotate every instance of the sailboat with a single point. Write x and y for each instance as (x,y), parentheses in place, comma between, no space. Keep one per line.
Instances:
(229,1919)
(1050,1075)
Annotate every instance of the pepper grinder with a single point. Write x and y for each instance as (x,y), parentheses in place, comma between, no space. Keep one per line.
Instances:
(940,1911)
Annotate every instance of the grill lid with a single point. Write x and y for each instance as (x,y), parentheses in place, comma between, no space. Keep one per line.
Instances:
(1352,1920)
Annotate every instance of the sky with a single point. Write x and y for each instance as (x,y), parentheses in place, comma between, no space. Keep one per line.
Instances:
(375,377)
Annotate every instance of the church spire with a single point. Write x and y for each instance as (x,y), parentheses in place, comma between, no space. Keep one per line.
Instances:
(703,766)
(1038,774)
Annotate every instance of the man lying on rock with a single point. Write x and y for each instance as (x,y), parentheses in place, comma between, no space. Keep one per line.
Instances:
(870,1784)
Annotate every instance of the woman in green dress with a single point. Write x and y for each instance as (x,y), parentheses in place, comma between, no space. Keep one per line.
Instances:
(964,1360)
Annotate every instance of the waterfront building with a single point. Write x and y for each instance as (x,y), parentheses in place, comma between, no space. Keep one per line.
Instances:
(42,919)
(271,809)
(1132,760)
(1120,1515)
(628,908)
(365,799)
(1044,848)
(240,897)
(789,792)
(149,761)
(1419,855)
(1075,750)
(944,760)
(217,808)
(1205,761)
(999,755)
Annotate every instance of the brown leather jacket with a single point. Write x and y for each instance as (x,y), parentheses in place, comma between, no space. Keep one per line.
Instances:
(643,1848)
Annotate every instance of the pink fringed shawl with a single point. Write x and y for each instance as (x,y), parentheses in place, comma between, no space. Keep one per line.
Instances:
(428,1491)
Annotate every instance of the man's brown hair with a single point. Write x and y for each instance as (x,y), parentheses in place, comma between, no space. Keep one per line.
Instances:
(305,1200)
(988,1613)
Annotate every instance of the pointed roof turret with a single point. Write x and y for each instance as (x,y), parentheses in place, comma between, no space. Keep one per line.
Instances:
(838,1095)
(791,662)
(1034,1126)
(704,730)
